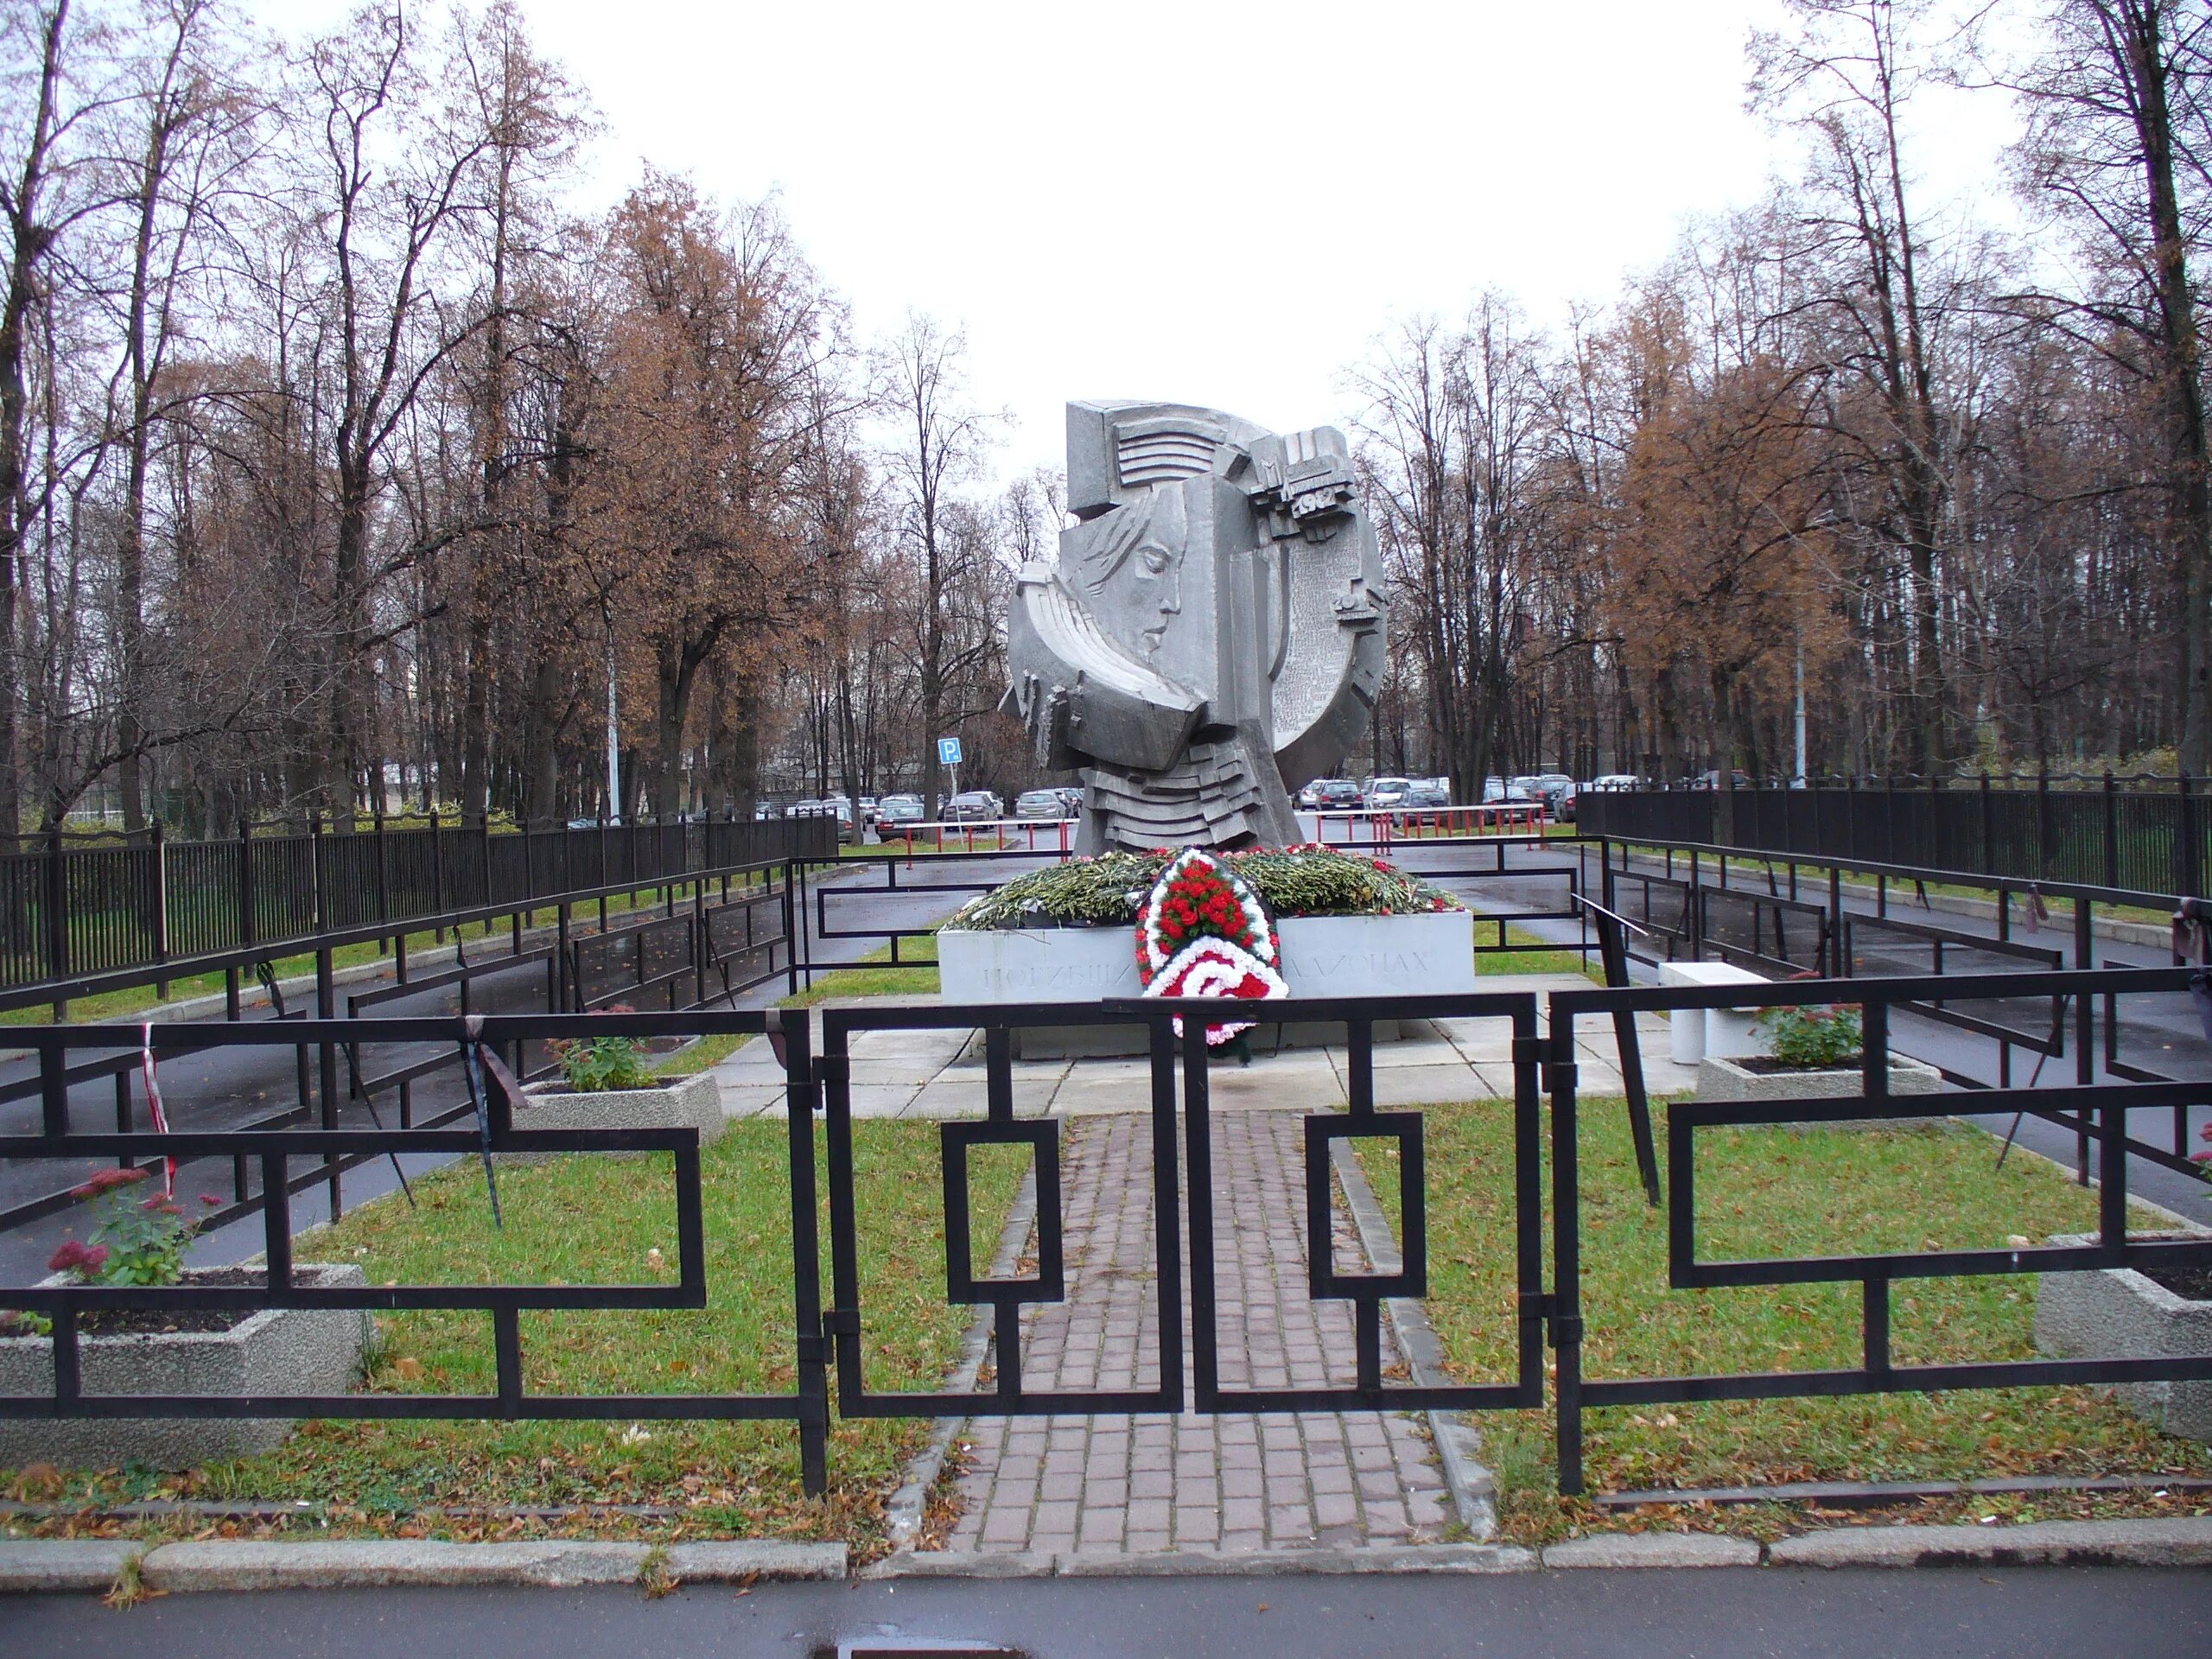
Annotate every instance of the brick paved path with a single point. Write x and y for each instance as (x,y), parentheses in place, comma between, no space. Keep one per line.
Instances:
(1117,1484)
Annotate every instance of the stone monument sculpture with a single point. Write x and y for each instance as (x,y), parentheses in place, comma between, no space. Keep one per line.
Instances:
(1211,637)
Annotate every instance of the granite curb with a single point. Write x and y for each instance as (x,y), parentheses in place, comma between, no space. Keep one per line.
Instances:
(908,1508)
(2183,1542)
(65,1564)
(72,1566)
(1457,1440)
(1204,1563)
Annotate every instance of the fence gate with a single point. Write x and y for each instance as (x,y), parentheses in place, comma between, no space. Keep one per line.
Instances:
(1176,1061)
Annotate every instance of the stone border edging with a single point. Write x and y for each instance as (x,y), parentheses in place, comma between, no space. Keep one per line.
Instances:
(97,1564)
(78,1565)
(1204,1563)
(906,1509)
(1473,1490)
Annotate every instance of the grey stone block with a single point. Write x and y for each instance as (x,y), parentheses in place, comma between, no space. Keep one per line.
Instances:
(2186,1542)
(2118,1314)
(372,1563)
(692,1102)
(63,1566)
(278,1350)
(1393,1558)
(1719,1078)
(1654,1549)
(764,1558)
(965,1564)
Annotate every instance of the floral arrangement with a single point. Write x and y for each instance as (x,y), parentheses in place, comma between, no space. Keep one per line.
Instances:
(137,1242)
(1202,932)
(1107,891)
(1813,1037)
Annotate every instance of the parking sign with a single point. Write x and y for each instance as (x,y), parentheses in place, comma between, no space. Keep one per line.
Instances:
(948,750)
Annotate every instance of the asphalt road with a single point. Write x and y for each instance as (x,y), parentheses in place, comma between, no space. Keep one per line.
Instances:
(1929,1613)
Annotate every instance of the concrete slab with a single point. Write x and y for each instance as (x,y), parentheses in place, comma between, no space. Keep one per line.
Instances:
(1431,1086)
(751,1099)
(944,1097)
(64,1566)
(1433,1050)
(2181,1542)
(1654,1549)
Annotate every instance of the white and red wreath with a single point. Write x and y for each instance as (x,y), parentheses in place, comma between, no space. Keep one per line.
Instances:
(1202,932)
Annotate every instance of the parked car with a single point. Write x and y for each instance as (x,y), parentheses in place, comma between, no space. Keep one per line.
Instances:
(1497,791)
(1335,795)
(1425,797)
(1382,793)
(1038,804)
(1309,798)
(836,807)
(1561,803)
(1613,780)
(974,806)
(895,815)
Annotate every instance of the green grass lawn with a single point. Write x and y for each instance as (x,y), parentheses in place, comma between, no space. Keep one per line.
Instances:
(575,1221)
(1768,1192)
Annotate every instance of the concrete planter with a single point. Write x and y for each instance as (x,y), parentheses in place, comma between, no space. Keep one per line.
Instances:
(278,1350)
(2117,1313)
(692,1102)
(1721,1078)
(1426,953)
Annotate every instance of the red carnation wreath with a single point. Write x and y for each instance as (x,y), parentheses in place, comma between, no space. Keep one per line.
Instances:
(1202,932)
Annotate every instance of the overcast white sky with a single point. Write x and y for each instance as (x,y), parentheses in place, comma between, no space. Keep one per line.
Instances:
(1220,203)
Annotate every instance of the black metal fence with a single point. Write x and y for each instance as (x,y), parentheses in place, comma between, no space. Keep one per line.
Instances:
(697,955)
(1545,1309)
(2150,837)
(74,913)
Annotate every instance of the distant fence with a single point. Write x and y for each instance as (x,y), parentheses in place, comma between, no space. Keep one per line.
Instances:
(2144,836)
(71,911)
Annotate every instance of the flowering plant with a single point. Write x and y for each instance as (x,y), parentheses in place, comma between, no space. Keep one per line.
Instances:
(137,1242)
(595,1065)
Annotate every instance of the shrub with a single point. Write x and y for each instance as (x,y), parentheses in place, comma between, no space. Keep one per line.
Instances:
(1814,1037)
(597,1065)
(1107,891)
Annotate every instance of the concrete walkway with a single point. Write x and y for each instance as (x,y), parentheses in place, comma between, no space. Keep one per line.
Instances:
(940,1074)
(1112,1485)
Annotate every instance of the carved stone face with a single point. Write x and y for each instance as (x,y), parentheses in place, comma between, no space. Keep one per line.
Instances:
(1130,569)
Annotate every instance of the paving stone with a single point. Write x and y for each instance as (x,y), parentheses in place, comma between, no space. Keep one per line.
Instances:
(1121,1486)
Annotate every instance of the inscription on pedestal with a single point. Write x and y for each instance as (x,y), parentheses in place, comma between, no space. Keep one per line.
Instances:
(1322,956)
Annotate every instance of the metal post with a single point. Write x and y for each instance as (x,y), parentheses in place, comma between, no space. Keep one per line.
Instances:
(2187,840)
(57,917)
(2046,860)
(159,902)
(1566,1263)
(2112,829)
(1989,839)
(437,875)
